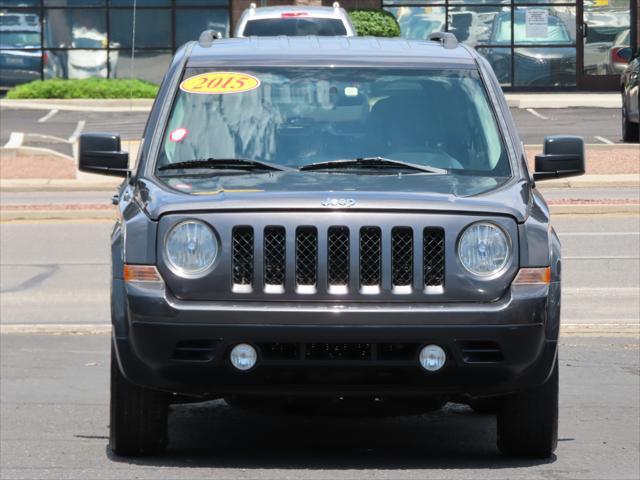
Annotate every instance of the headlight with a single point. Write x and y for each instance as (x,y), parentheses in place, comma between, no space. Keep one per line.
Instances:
(191,248)
(484,249)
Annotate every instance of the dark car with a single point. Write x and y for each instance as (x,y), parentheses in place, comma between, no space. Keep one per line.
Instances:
(540,61)
(330,221)
(630,87)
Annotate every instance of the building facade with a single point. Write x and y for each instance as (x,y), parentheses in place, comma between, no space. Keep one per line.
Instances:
(532,44)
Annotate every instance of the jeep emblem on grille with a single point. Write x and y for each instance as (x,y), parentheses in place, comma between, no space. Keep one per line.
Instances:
(338,202)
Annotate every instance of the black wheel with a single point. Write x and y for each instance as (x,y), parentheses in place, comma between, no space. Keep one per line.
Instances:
(630,130)
(528,421)
(139,416)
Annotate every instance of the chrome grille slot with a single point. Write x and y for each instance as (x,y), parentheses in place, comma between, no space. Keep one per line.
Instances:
(338,259)
(274,259)
(433,260)
(402,259)
(370,260)
(306,259)
(242,259)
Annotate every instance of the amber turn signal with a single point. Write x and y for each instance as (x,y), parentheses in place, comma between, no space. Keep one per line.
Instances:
(141,273)
(533,276)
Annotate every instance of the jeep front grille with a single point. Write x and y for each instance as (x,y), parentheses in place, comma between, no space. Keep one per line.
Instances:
(306,259)
(338,260)
(274,259)
(433,258)
(242,245)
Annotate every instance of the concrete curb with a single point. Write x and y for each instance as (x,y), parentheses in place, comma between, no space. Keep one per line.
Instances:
(23,151)
(110,214)
(574,329)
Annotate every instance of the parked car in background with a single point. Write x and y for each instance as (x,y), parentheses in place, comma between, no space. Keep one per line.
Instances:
(20,57)
(630,86)
(295,21)
(618,55)
(89,55)
(535,66)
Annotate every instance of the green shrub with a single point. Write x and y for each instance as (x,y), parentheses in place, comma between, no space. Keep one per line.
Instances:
(86,88)
(376,23)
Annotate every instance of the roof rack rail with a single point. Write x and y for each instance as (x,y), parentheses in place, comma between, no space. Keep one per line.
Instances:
(447,40)
(207,37)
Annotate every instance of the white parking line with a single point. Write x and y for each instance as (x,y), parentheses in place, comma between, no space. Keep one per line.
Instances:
(597,234)
(15,140)
(603,257)
(604,140)
(536,114)
(47,116)
(76,133)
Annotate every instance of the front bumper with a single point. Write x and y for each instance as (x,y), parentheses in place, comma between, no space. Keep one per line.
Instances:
(314,348)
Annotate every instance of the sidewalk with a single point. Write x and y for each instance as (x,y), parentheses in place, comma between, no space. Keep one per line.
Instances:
(516,100)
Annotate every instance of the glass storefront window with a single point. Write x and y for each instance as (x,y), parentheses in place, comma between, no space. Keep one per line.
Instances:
(140,3)
(19,66)
(418,22)
(416,2)
(208,3)
(149,65)
(545,26)
(19,3)
(76,63)
(191,22)
(153,28)
(75,3)
(500,60)
(75,28)
(608,31)
(478,25)
(544,67)
(20,28)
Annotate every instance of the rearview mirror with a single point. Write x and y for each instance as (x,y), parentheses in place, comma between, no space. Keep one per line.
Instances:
(561,157)
(100,153)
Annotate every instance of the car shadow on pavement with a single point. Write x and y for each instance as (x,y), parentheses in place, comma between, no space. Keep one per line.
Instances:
(213,435)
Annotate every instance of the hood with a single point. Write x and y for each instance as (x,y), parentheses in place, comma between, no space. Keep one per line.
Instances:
(319,191)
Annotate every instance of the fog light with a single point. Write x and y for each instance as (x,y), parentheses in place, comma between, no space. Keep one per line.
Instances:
(243,357)
(432,358)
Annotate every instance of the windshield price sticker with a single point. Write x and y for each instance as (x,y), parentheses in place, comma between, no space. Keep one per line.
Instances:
(218,83)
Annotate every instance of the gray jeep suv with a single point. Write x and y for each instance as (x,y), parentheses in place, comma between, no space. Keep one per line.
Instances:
(319,221)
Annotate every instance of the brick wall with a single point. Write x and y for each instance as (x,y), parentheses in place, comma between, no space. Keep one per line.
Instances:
(239,6)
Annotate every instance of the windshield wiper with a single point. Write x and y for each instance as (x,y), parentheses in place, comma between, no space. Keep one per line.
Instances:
(224,164)
(371,163)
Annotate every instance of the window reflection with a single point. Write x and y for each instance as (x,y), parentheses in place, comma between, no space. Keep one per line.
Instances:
(418,22)
(153,29)
(607,33)
(189,23)
(149,65)
(19,29)
(544,67)
(19,66)
(500,60)
(75,28)
(474,25)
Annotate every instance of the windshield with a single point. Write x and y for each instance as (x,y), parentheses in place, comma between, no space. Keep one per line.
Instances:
(294,116)
(271,27)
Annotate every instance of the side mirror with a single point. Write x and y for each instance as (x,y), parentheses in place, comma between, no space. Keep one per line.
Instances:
(561,157)
(100,153)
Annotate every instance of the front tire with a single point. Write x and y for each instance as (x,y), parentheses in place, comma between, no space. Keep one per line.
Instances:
(528,421)
(139,416)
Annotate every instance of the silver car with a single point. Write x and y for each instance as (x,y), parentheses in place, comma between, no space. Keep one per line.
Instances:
(295,21)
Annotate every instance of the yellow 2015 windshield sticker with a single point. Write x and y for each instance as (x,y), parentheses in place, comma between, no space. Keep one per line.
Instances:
(217,83)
